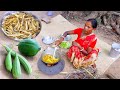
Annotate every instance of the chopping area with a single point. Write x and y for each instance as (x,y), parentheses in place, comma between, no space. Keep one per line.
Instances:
(57,26)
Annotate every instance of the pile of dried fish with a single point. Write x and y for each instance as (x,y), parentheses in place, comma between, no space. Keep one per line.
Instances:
(21,25)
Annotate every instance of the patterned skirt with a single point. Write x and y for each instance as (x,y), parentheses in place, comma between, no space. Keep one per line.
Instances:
(79,59)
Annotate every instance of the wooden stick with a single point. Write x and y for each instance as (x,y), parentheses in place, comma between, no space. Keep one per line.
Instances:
(89,72)
(63,72)
(110,76)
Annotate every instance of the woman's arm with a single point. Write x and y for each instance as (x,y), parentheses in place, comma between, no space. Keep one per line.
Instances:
(63,36)
(76,44)
(81,48)
(84,52)
(89,49)
(75,31)
(91,46)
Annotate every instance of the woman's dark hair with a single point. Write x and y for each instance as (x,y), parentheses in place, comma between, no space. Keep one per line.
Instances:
(94,22)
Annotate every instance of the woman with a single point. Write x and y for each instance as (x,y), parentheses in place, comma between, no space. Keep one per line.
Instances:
(82,53)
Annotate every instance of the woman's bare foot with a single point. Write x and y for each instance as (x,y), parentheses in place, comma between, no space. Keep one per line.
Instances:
(94,65)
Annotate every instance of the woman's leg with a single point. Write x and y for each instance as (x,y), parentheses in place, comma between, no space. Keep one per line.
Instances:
(91,58)
(80,62)
(74,55)
(75,62)
(72,52)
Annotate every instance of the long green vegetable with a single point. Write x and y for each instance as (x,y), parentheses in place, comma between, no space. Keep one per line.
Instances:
(16,70)
(8,61)
(23,61)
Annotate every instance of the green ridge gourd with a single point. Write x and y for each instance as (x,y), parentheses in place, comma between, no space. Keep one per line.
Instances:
(8,61)
(29,47)
(16,70)
(23,61)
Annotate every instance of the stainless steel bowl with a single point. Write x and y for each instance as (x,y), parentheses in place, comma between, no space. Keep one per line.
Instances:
(6,14)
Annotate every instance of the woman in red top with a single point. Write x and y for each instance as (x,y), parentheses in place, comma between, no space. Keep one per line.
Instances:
(82,53)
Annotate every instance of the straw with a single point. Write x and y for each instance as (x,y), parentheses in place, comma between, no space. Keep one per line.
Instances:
(89,72)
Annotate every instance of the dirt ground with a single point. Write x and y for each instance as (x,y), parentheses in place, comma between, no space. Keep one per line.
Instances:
(105,34)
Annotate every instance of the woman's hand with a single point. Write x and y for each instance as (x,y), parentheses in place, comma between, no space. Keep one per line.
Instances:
(57,42)
(89,49)
(63,36)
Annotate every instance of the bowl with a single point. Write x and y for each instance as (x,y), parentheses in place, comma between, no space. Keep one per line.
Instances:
(50,51)
(48,40)
(16,25)
(67,38)
(65,45)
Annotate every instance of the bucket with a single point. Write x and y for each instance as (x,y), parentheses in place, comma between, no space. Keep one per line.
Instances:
(115,50)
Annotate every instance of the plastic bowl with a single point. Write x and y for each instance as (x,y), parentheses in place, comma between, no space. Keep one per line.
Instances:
(65,45)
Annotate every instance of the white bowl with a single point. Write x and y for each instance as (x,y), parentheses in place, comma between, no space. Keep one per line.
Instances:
(48,40)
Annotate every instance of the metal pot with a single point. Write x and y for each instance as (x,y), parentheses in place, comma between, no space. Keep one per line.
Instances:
(115,50)
(50,51)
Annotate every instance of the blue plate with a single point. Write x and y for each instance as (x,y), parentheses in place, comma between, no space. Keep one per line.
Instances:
(51,70)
